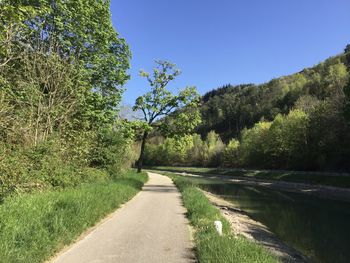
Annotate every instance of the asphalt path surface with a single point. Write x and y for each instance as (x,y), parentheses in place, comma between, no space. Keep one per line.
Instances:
(152,227)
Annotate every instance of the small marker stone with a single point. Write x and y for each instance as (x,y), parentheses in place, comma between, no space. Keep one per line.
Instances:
(218,227)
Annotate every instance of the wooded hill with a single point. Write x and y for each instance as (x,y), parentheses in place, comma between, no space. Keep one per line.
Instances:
(300,121)
(229,109)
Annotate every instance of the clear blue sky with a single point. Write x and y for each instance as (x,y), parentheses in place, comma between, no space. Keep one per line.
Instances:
(215,42)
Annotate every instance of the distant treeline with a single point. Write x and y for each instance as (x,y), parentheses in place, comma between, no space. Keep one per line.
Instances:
(299,121)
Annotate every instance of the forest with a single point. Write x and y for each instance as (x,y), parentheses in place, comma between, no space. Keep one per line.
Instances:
(297,122)
(62,71)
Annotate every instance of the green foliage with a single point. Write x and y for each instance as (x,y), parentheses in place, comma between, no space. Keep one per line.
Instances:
(298,141)
(347,100)
(34,227)
(160,102)
(62,66)
(231,154)
(329,136)
(113,146)
(299,121)
(210,247)
(230,109)
(185,150)
(253,144)
(279,144)
(41,167)
(215,147)
(197,155)
(180,122)
(83,30)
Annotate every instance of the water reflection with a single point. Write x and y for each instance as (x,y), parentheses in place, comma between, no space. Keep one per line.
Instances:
(317,227)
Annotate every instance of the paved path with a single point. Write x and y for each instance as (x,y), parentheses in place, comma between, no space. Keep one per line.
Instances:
(150,228)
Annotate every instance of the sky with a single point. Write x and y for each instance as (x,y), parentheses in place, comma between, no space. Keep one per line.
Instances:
(216,42)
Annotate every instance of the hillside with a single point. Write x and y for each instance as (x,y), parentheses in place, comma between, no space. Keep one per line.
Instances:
(298,122)
(229,109)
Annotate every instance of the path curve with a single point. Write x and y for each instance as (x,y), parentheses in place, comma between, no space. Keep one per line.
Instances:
(152,227)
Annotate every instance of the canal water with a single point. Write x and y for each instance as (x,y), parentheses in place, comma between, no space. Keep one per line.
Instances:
(319,228)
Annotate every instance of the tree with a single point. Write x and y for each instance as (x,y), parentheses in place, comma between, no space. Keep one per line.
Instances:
(231,154)
(347,48)
(347,101)
(11,22)
(253,147)
(215,147)
(81,32)
(160,102)
(62,69)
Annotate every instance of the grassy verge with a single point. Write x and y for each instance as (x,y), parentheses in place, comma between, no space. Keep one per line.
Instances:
(329,179)
(33,227)
(210,247)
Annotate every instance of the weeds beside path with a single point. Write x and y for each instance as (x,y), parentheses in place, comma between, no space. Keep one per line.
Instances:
(210,247)
(35,226)
(152,227)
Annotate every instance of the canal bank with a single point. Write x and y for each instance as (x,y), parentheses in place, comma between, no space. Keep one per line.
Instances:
(321,191)
(242,224)
(317,227)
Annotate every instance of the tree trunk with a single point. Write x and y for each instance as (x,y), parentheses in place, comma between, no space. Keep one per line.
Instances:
(140,161)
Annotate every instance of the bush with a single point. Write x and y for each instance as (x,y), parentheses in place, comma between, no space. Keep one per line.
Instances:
(41,167)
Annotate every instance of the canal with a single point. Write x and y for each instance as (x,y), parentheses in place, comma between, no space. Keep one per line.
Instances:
(319,228)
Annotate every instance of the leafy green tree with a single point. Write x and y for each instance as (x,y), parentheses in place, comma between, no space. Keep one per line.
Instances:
(347,100)
(288,140)
(231,156)
(80,32)
(253,144)
(13,15)
(347,48)
(215,148)
(197,155)
(62,71)
(307,103)
(160,102)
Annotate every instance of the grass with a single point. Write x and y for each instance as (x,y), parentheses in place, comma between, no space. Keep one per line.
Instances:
(33,227)
(210,247)
(328,179)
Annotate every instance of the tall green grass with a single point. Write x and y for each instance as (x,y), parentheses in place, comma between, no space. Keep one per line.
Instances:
(33,227)
(210,247)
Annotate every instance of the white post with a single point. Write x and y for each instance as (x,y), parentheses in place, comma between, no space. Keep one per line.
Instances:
(218,227)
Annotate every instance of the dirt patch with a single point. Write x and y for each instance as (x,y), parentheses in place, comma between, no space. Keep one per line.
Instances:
(242,224)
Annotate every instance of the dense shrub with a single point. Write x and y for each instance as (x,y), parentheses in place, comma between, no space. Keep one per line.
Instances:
(40,167)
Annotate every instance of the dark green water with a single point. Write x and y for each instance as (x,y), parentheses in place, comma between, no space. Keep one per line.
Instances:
(319,228)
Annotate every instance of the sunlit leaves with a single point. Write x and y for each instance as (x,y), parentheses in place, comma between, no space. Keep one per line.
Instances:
(160,102)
